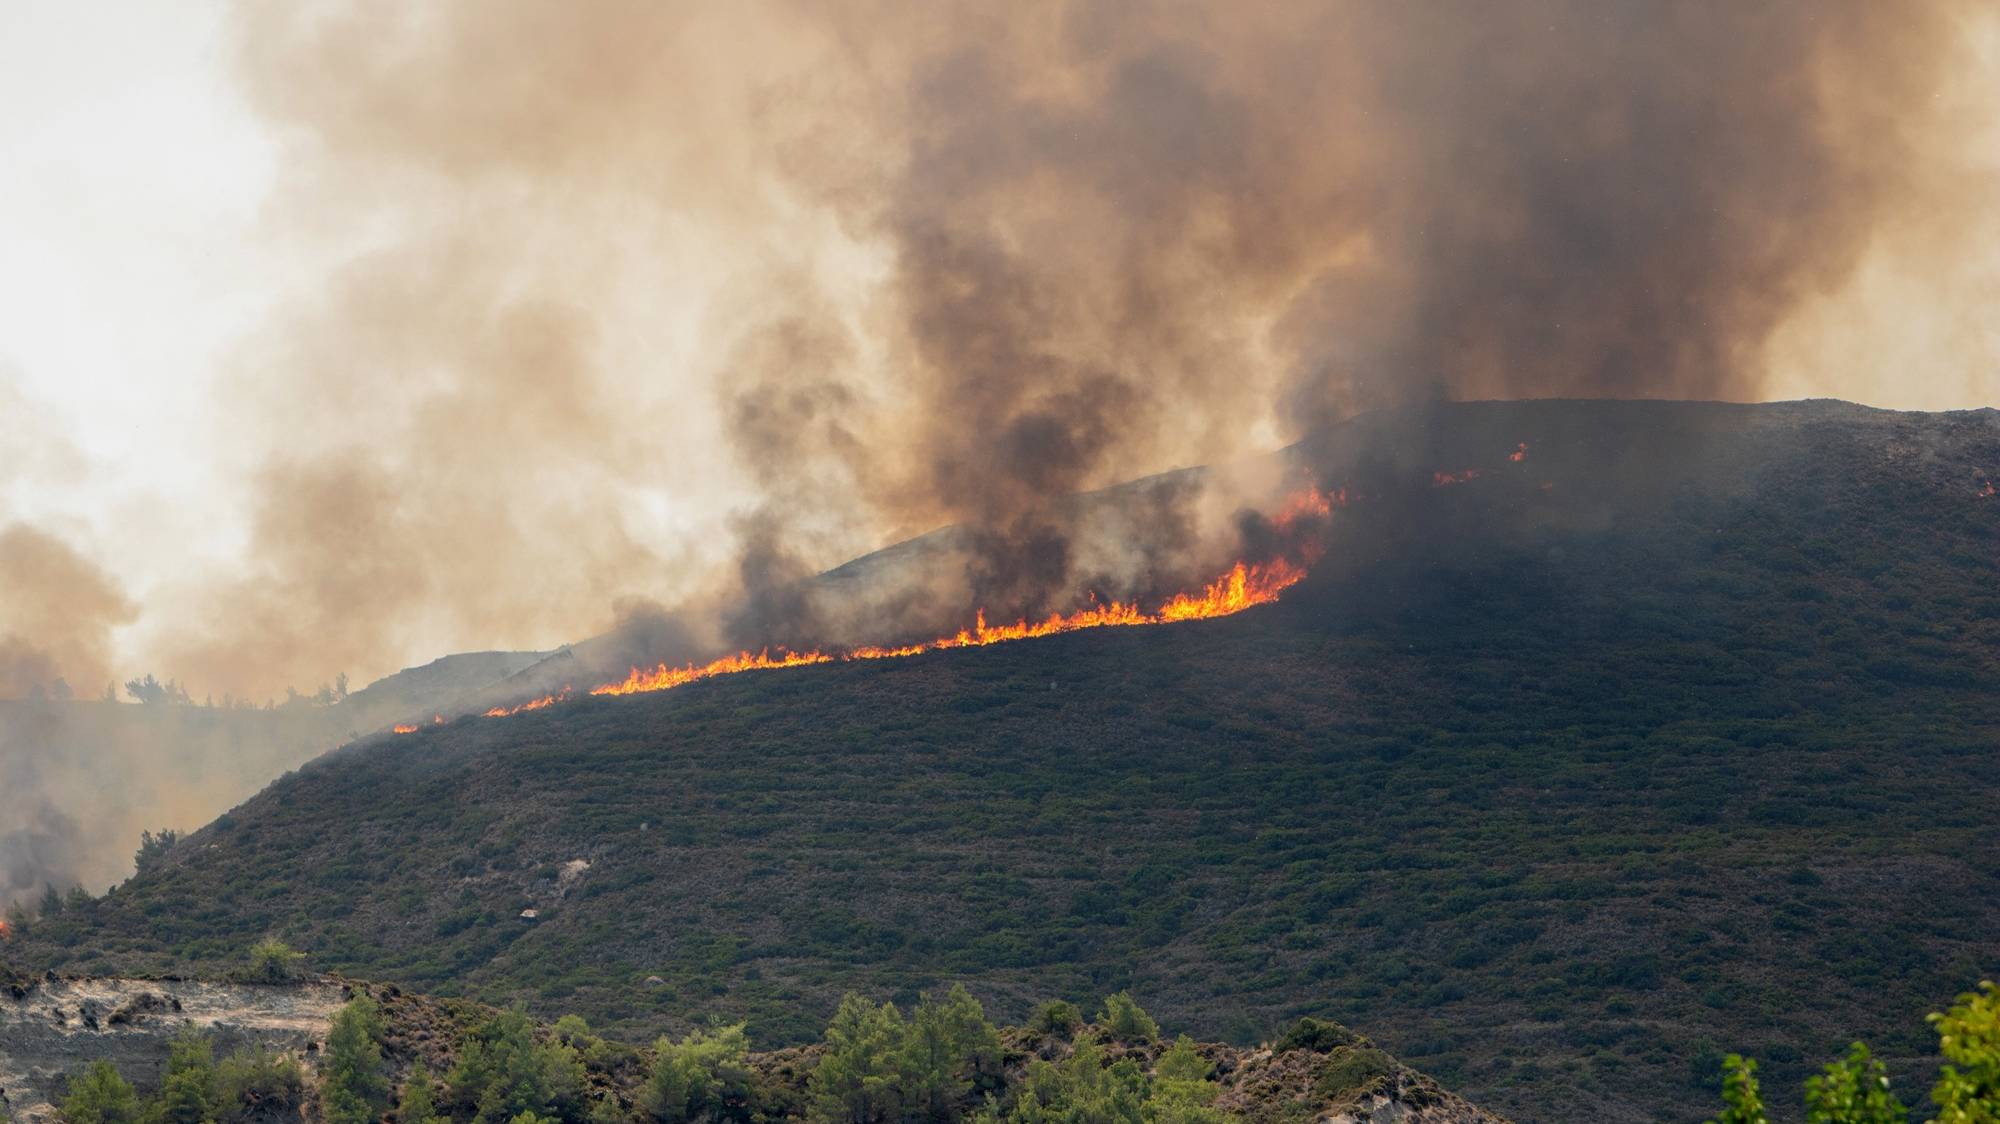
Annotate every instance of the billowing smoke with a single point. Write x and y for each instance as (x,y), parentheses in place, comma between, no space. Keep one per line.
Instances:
(56,618)
(600,307)
(622,299)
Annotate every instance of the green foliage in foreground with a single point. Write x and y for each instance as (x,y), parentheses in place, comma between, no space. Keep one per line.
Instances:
(1855,1089)
(355,1089)
(505,1072)
(942,1063)
(194,1089)
(100,1096)
(1084,1089)
(879,1067)
(703,1077)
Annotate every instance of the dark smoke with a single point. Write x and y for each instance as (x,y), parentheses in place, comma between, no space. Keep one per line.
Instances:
(1125,230)
(954,262)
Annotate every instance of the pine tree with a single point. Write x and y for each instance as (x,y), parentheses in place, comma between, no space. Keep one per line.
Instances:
(354,1089)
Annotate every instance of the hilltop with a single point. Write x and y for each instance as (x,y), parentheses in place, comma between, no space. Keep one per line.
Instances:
(1673,737)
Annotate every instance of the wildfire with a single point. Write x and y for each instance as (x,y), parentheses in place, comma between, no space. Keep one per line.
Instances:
(1245,585)
(1309,504)
(6,931)
(533,704)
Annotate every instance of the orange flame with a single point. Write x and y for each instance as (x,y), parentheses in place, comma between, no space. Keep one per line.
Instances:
(402,729)
(6,931)
(533,704)
(1245,585)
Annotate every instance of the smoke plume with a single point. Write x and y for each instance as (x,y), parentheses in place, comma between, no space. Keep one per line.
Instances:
(618,274)
(57,616)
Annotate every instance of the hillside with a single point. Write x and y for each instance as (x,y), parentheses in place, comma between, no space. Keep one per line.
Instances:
(1675,737)
(80,780)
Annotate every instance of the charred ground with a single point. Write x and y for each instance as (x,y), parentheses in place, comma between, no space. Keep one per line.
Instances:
(1558,791)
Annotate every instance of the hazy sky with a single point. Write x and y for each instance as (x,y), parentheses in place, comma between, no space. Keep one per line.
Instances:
(163,225)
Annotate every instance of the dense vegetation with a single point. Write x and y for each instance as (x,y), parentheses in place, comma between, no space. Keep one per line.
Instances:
(1557,791)
(1856,1089)
(943,1063)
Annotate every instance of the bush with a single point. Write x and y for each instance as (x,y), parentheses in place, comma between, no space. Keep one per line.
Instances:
(1968,1086)
(100,1096)
(948,1049)
(1057,1018)
(504,1073)
(855,1080)
(354,1089)
(1318,1035)
(1350,1071)
(1853,1090)
(418,1103)
(274,961)
(257,1084)
(1123,1019)
(1081,1089)
(703,1077)
(1182,1092)
(188,1085)
(1743,1104)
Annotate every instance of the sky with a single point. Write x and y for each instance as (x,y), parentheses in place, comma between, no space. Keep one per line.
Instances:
(198,214)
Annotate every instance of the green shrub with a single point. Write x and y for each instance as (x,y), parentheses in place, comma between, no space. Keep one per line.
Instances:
(100,1096)
(855,1080)
(1968,1086)
(354,1089)
(188,1087)
(1058,1018)
(1122,1018)
(1853,1090)
(1182,1092)
(1318,1035)
(1081,1089)
(1742,1102)
(418,1102)
(703,1077)
(503,1073)
(948,1049)
(274,961)
(1350,1071)
(255,1084)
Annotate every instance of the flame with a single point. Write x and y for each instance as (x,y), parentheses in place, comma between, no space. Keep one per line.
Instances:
(1243,586)
(534,704)
(1309,504)
(403,729)
(664,678)
(6,931)
(1246,584)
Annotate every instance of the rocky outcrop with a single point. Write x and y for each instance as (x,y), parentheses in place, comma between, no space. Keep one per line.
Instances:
(52,1027)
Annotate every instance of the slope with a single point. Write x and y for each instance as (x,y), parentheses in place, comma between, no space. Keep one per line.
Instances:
(1559,791)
